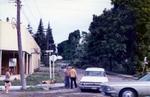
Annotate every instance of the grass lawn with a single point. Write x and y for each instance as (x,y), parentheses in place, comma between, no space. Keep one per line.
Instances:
(37,78)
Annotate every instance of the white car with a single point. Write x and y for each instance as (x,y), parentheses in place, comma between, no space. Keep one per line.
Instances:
(93,78)
(138,88)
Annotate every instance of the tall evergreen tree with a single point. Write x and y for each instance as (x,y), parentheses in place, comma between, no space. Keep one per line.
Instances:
(40,38)
(49,39)
(49,44)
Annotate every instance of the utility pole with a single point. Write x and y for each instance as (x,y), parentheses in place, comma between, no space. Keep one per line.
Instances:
(20,53)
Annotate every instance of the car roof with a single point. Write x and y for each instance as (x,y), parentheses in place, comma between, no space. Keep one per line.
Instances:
(94,69)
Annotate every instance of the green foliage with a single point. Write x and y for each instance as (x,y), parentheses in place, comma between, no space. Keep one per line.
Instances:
(49,39)
(63,49)
(80,53)
(141,10)
(49,45)
(40,37)
(112,39)
(67,48)
(119,39)
(37,77)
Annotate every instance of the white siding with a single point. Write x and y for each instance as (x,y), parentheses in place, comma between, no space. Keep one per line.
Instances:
(8,41)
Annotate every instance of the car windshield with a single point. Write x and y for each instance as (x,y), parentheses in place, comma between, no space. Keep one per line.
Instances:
(94,73)
(145,78)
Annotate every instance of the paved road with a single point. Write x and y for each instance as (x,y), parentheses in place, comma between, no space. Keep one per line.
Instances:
(53,93)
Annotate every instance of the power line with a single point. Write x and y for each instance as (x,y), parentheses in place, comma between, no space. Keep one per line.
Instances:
(29,9)
(23,12)
(36,5)
(30,14)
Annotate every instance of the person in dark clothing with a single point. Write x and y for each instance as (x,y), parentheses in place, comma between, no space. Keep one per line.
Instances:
(67,78)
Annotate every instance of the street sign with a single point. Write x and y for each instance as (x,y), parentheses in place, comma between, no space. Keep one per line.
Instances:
(59,57)
(54,58)
(49,51)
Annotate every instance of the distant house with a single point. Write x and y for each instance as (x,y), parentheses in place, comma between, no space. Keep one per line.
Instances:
(9,49)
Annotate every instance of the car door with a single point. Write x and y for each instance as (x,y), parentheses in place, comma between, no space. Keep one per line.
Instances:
(143,88)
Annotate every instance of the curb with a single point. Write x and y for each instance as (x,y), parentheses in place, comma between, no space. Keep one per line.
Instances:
(50,86)
(44,86)
(12,88)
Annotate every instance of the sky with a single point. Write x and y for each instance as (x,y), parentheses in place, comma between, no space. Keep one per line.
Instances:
(64,16)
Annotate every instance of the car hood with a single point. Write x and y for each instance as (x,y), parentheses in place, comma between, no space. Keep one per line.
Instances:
(93,79)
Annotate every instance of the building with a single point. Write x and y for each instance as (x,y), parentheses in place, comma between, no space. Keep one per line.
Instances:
(9,49)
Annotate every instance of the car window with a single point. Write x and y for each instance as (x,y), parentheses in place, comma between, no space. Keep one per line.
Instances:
(145,78)
(95,73)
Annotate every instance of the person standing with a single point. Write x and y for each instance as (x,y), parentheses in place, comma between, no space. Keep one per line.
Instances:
(73,77)
(67,77)
(7,81)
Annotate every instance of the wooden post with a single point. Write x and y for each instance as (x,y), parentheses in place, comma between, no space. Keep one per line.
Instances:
(0,62)
(20,53)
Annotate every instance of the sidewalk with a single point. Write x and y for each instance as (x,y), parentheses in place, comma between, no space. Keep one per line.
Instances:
(11,88)
(44,86)
(50,86)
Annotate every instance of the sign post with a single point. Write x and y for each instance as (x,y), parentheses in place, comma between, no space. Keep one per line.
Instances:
(54,58)
(50,66)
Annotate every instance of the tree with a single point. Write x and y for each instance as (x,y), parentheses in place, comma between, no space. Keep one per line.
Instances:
(49,44)
(112,37)
(141,10)
(40,38)
(80,51)
(49,39)
(63,50)
(67,48)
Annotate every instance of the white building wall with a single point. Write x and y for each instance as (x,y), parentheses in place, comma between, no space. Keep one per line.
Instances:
(8,37)
(8,41)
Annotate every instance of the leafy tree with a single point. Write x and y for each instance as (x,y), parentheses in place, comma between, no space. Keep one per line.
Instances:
(63,50)
(141,10)
(112,37)
(80,52)
(67,48)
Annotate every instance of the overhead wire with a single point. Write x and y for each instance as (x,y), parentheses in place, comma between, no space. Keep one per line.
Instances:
(23,12)
(36,6)
(28,9)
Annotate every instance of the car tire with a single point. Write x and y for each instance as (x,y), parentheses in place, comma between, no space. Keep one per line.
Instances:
(128,93)
(82,90)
